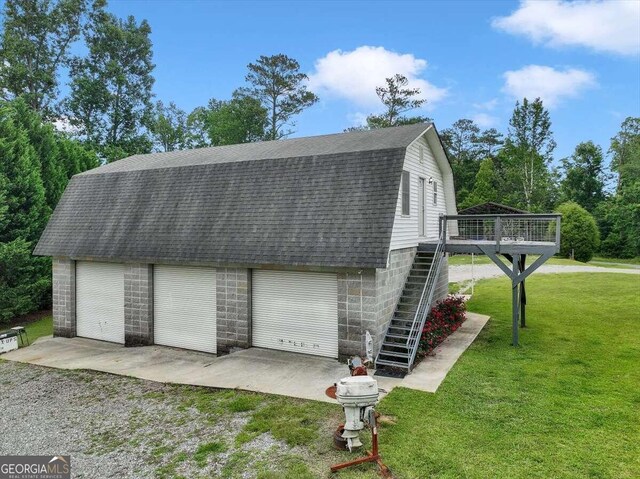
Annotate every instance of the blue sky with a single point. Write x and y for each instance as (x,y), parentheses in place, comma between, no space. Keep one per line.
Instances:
(583,58)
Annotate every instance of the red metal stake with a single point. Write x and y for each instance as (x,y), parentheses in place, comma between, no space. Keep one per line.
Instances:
(373,456)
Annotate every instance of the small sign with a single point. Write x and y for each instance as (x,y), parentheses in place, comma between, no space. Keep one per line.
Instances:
(8,342)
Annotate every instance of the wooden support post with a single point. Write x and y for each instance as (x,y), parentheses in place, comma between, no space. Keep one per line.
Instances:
(515,301)
(523,294)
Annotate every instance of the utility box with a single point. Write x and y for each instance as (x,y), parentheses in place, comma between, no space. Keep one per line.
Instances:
(8,341)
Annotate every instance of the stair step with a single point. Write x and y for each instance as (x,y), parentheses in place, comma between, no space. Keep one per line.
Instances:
(394,354)
(393,364)
(396,321)
(394,345)
(403,303)
(405,329)
(397,336)
(411,310)
(416,276)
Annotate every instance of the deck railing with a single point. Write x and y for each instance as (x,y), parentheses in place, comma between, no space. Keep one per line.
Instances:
(502,229)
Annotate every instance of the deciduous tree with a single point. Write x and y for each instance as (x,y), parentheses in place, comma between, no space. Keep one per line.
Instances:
(168,127)
(584,176)
(110,98)
(35,44)
(580,237)
(240,120)
(625,151)
(526,156)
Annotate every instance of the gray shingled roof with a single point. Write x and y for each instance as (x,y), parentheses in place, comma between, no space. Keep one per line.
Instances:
(319,201)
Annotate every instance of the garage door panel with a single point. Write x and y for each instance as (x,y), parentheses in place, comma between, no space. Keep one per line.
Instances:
(185,307)
(295,311)
(100,301)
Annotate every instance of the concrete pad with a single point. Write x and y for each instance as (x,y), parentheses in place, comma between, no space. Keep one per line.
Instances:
(259,370)
(429,374)
(255,369)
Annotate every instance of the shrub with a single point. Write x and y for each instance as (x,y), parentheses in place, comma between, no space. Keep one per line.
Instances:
(445,317)
(580,237)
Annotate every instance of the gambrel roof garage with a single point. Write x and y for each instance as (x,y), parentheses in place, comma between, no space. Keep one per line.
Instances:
(300,244)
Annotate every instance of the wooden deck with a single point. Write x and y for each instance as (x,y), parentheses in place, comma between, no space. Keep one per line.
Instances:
(513,236)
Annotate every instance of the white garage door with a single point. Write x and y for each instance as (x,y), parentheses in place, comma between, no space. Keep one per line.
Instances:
(100,301)
(185,307)
(295,311)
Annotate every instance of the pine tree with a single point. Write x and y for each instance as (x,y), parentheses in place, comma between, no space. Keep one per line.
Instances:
(27,209)
(76,158)
(24,279)
(398,99)
(43,140)
(280,86)
(484,188)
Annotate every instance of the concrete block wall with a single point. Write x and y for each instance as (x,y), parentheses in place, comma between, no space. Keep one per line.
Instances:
(233,304)
(389,285)
(64,297)
(357,311)
(442,287)
(138,304)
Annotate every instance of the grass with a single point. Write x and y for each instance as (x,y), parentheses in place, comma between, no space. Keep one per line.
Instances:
(632,261)
(39,328)
(566,403)
(205,450)
(464,259)
(294,422)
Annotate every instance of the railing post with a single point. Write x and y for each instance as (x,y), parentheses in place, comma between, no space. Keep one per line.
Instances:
(498,232)
(557,231)
(443,233)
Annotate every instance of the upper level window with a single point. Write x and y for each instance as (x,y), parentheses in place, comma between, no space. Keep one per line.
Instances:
(421,154)
(406,193)
(435,192)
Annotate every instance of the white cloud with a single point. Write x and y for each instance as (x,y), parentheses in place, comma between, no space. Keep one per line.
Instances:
(486,105)
(354,75)
(547,83)
(63,125)
(484,120)
(605,26)
(357,119)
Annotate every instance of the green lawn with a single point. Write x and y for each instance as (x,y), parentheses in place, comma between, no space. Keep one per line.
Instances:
(463,259)
(635,260)
(37,329)
(566,403)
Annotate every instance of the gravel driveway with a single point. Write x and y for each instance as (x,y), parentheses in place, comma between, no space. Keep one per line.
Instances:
(121,427)
(461,273)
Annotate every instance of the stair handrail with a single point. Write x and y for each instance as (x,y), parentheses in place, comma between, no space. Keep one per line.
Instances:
(422,312)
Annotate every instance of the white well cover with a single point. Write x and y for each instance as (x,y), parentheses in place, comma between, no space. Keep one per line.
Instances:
(185,307)
(295,311)
(100,300)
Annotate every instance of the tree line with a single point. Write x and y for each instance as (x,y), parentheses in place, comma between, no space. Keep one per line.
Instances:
(63,113)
